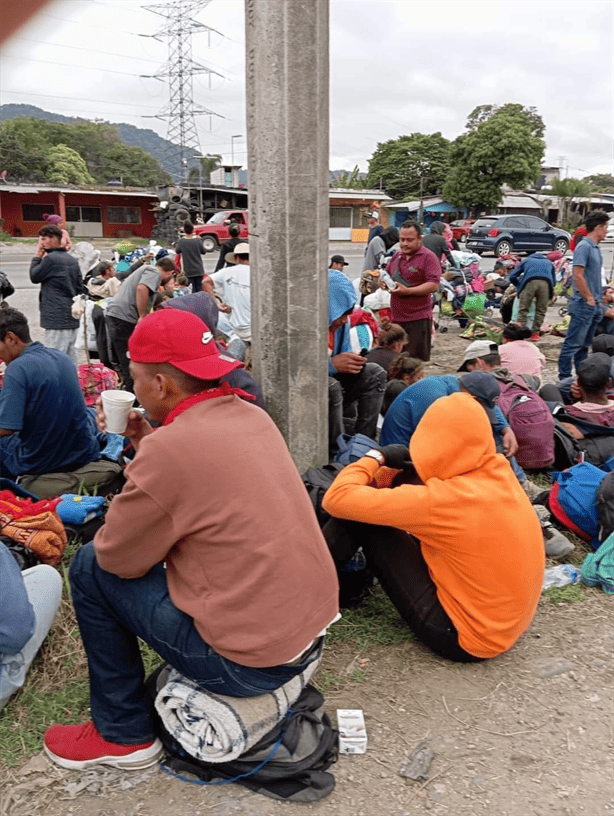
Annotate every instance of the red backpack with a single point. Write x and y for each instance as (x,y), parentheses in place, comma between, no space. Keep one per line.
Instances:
(531,421)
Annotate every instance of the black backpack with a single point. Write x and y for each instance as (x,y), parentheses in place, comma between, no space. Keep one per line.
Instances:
(596,447)
(288,763)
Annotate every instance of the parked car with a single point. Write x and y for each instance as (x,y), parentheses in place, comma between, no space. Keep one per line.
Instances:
(461,229)
(215,231)
(610,233)
(503,234)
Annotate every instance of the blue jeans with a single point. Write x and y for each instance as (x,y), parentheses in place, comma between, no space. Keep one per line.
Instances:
(112,612)
(582,327)
(44,588)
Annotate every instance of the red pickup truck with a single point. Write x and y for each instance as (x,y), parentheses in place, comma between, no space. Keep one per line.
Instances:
(215,231)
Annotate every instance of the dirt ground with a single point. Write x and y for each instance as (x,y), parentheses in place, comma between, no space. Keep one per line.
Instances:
(529,733)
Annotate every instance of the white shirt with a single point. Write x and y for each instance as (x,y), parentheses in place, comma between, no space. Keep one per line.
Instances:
(233,286)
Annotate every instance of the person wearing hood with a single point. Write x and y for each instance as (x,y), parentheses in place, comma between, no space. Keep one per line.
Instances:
(378,247)
(459,551)
(351,380)
(534,279)
(436,242)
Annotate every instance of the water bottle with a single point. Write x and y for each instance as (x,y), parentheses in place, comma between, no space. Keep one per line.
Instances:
(562,575)
(388,282)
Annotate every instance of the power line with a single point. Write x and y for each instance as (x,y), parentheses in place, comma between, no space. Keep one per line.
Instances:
(89,50)
(79,99)
(70,65)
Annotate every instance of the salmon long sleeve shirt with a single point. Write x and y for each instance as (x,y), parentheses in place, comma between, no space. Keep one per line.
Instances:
(216,496)
(479,534)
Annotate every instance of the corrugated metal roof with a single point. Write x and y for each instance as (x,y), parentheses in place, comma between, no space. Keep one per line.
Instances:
(373,195)
(520,202)
(415,205)
(119,191)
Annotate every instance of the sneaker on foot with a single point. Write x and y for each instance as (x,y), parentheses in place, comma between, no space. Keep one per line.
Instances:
(534,337)
(555,543)
(81,746)
(531,489)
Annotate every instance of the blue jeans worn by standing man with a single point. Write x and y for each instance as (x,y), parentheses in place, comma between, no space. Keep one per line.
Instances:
(582,328)
(113,612)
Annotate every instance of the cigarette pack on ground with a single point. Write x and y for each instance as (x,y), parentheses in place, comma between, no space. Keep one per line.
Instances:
(352,731)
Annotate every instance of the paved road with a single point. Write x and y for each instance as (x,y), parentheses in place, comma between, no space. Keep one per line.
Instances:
(15,261)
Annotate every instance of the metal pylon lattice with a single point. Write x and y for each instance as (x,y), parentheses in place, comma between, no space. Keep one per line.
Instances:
(179,69)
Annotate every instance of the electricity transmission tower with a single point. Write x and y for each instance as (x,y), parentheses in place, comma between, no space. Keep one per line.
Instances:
(178,27)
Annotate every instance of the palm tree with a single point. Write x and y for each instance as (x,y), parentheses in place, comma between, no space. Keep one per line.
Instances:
(566,190)
(208,163)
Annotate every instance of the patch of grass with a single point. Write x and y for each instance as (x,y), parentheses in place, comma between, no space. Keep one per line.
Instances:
(56,690)
(375,621)
(564,594)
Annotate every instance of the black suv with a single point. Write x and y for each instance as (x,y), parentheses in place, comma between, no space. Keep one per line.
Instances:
(503,234)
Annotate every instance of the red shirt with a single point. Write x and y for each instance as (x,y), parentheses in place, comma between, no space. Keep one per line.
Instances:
(421,267)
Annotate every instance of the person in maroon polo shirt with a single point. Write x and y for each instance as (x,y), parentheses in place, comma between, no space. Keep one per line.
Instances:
(411,303)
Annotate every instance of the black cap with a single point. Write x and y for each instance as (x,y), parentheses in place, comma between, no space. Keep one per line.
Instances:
(594,372)
(485,388)
(604,343)
(338,259)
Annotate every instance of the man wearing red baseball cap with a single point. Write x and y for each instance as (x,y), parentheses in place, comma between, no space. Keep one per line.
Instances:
(212,553)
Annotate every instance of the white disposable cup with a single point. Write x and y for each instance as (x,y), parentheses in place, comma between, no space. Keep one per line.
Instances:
(116,406)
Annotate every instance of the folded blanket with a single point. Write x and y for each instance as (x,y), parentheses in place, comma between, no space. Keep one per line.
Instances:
(216,728)
(36,525)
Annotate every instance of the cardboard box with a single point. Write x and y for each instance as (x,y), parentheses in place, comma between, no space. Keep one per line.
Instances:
(352,731)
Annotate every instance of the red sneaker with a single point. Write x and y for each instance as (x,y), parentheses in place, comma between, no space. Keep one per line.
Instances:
(81,746)
(534,338)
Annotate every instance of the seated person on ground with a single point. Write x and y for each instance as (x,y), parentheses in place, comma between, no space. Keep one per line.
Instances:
(518,355)
(351,381)
(403,416)
(593,381)
(567,391)
(44,426)
(28,603)
(469,582)
(248,588)
(404,371)
(388,345)
(205,308)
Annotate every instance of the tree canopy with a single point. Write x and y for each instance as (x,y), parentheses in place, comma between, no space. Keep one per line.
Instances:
(502,146)
(601,182)
(65,166)
(26,146)
(398,165)
(566,190)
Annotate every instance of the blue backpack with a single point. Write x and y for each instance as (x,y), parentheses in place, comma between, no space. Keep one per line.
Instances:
(573,500)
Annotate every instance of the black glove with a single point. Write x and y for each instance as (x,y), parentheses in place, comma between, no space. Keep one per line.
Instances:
(397,457)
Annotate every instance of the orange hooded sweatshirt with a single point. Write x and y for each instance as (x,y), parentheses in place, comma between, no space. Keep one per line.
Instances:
(480,537)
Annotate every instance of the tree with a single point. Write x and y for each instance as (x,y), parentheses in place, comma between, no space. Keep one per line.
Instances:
(349,180)
(530,115)
(601,182)
(208,164)
(504,147)
(566,190)
(399,165)
(65,166)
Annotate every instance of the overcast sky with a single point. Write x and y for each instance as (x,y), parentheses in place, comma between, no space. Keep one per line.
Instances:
(397,67)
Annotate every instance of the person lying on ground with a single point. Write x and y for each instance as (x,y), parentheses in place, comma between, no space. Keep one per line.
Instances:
(518,355)
(211,554)
(44,426)
(355,387)
(404,371)
(469,582)
(29,601)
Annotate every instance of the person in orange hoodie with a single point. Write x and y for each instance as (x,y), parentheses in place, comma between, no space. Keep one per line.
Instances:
(468,583)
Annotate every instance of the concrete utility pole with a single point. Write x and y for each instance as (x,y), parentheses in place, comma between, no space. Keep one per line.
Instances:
(287,139)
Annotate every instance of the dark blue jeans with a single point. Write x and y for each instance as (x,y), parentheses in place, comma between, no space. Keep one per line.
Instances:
(112,612)
(582,327)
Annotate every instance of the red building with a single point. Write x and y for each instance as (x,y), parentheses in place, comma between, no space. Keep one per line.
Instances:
(102,212)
